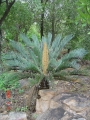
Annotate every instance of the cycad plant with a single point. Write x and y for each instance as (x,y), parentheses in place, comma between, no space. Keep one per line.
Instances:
(42,57)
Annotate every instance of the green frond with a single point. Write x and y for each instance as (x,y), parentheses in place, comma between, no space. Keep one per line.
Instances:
(52,64)
(35,80)
(13,56)
(49,40)
(17,60)
(62,66)
(31,66)
(34,58)
(55,46)
(9,55)
(56,42)
(68,64)
(44,40)
(14,63)
(14,59)
(26,40)
(62,44)
(38,53)
(65,40)
(23,65)
(20,48)
(75,64)
(36,42)
(75,54)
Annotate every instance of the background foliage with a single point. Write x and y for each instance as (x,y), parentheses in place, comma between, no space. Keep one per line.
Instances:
(66,17)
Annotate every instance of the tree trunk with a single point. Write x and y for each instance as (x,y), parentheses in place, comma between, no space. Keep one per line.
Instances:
(42,24)
(53,21)
(53,28)
(43,2)
(42,20)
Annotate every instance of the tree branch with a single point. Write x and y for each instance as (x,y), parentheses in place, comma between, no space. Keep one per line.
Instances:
(6,12)
(8,7)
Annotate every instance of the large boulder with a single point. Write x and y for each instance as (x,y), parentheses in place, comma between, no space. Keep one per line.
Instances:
(58,114)
(64,106)
(45,101)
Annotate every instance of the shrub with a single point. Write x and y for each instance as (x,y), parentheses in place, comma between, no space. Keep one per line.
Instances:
(42,57)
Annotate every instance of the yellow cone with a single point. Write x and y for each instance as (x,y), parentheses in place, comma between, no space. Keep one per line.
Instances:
(45,59)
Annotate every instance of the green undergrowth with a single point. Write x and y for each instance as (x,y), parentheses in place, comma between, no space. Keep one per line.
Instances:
(10,80)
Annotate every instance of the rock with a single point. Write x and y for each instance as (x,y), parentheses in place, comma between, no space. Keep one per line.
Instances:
(57,100)
(38,106)
(46,102)
(73,103)
(64,86)
(58,114)
(75,106)
(47,94)
(66,117)
(4,117)
(17,116)
(30,98)
(79,119)
(43,103)
(13,116)
(54,104)
(24,83)
(2,104)
(52,114)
